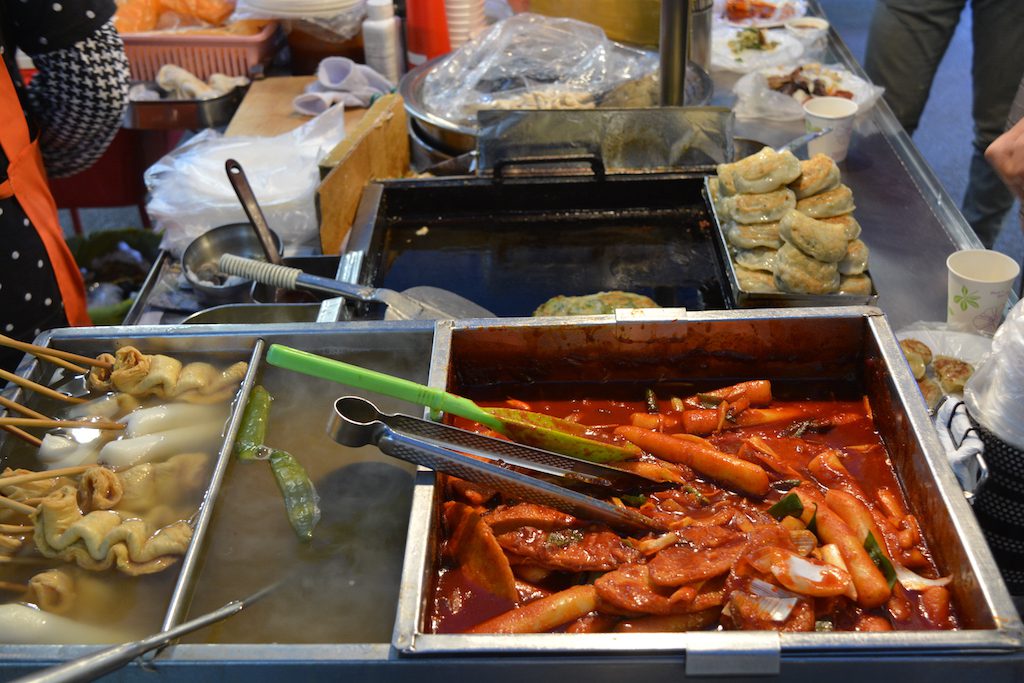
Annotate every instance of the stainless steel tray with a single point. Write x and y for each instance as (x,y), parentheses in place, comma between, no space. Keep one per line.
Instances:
(745,299)
(848,345)
(183,114)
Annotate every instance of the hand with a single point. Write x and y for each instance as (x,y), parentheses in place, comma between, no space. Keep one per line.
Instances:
(1006,155)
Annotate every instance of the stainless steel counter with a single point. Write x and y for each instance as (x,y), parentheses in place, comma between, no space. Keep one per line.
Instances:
(911,224)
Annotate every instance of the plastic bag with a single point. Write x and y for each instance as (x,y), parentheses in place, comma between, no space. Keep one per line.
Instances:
(785,49)
(755,100)
(342,25)
(995,392)
(530,61)
(190,192)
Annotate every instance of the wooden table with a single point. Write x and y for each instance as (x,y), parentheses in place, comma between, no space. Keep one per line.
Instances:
(267,108)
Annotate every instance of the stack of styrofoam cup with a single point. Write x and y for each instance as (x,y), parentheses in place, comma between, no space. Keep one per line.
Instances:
(465,20)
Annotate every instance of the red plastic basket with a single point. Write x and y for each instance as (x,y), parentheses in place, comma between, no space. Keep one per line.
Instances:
(200,54)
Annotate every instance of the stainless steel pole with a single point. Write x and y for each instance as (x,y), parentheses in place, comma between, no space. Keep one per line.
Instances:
(675,31)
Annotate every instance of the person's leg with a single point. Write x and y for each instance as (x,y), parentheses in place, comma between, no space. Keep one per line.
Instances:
(998,36)
(906,41)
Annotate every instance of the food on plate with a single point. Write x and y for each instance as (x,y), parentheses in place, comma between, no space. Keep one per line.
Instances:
(931,391)
(752,39)
(593,304)
(759,173)
(953,373)
(759,10)
(753,236)
(789,518)
(755,280)
(911,345)
(817,174)
(809,80)
(769,207)
(820,240)
(834,202)
(797,272)
(758,258)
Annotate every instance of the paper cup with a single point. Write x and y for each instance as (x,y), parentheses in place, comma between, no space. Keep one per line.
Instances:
(807,29)
(836,113)
(979,287)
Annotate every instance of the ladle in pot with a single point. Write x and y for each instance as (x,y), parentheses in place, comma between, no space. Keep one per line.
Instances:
(252,209)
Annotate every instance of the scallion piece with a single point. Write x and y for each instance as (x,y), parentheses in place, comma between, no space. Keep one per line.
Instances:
(880,560)
(652,401)
(788,506)
(634,501)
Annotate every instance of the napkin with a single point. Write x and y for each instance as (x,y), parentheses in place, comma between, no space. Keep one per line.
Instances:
(963,446)
(339,80)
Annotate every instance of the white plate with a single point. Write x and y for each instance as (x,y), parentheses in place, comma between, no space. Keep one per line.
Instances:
(787,51)
(784,10)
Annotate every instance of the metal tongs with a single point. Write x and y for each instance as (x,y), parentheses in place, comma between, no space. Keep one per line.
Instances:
(358,422)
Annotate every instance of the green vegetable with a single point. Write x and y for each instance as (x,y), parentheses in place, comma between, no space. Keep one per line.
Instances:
(880,560)
(565,537)
(812,525)
(300,499)
(788,506)
(677,404)
(701,498)
(709,400)
(254,424)
(652,401)
(634,501)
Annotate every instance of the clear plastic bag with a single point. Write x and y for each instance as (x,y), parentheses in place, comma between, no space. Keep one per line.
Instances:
(190,192)
(530,61)
(342,25)
(755,100)
(995,392)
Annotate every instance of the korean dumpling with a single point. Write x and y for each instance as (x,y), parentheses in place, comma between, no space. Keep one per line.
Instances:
(817,174)
(823,241)
(769,207)
(855,260)
(755,280)
(762,172)
(849,224)
(797,272)
(911,345)
(855,284)
(753,236)
(758,258)
(834,202)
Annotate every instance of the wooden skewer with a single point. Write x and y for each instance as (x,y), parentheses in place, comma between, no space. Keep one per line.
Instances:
(15,528)
(77,369)
(34,386)
(55,353)
(13,587)
(12,405)
(16,506)
(23,435)
(50,424)
(47,474)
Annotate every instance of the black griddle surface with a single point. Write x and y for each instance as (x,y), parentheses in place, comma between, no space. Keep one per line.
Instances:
(511,246)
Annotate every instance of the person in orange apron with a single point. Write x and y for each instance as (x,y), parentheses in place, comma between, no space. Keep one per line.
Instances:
(61,122)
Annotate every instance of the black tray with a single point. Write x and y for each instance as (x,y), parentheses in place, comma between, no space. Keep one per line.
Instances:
(510,245)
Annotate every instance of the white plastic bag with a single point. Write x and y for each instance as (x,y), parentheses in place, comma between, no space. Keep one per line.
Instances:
(755,100)
(995,392)
(338,20)
(190,192)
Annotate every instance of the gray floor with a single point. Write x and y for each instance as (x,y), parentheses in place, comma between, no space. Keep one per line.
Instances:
(944,135)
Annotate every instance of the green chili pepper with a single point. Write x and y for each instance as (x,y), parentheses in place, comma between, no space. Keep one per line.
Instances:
(254,424)
(788,505)
(300,498)
(880,560)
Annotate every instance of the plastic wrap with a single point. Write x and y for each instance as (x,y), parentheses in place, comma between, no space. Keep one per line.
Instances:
(190,192)
(341,25)
(995,393)
(755,100)
(784,49)
(530,61)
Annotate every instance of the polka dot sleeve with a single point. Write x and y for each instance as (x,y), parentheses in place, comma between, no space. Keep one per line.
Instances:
(42,26)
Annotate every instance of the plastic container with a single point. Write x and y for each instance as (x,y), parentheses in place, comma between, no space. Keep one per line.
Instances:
(426,31)
(382,39)
(203,55)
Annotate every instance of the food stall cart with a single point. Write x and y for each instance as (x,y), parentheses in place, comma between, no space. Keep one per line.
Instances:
(376,608)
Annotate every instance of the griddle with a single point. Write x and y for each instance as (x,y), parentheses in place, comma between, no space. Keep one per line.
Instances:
(511,243)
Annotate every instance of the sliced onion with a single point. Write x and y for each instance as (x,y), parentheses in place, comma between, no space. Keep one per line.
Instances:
(653,545)
(916,582)
(776,603)
(804,540)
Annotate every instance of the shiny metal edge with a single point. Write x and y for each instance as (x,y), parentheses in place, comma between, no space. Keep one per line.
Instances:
(745,299)
(138,306)
(180,598)
(1006,637)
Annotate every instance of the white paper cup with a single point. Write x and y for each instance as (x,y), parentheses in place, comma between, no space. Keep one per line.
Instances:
(979,286)
(836,113)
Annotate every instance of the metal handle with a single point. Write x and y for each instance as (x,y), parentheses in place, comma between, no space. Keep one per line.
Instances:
(252,209)
(286,277)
